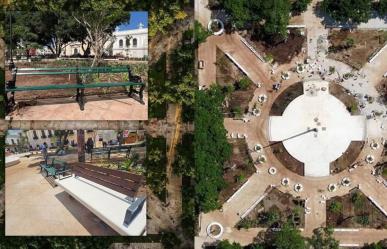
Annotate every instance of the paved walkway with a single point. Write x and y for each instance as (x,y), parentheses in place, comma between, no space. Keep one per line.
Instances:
(231,44)
(102,109)
(33,207)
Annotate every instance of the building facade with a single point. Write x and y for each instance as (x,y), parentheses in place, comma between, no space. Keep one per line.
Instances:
(131,44)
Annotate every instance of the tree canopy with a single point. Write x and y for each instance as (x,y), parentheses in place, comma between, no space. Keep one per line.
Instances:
(323,238)
(299,6)
(42,28)
(270,16)
(225,244)
(210,146)
(348,11)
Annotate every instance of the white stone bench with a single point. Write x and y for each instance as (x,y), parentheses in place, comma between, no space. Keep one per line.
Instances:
(107,204)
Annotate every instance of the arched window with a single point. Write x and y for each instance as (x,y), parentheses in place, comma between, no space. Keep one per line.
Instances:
(120,43)
(135,42)
(75,51)
(127,42)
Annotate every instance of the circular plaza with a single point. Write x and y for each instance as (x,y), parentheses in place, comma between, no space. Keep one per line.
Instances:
(316,128)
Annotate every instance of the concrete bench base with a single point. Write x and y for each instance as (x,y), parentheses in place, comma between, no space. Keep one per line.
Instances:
(107,204)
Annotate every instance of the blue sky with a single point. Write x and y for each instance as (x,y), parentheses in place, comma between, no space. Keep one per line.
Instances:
(136,17)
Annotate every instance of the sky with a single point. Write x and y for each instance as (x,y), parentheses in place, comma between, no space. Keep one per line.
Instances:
(136,17)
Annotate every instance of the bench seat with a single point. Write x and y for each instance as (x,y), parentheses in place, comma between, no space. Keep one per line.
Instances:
(107,204)
(72,86)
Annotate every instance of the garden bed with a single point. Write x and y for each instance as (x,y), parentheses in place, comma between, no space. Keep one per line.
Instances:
(286,159)
(348,157)
(356,47)
(354,210)
(282,52)
(348,100)
(382,90)
(284,98)
(275,209)
(237,170)
(239,88)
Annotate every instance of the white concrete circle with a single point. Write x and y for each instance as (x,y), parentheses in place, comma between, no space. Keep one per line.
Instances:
(220,31)
(298,187)
(256,112)
(262,159)
(346,182)
(262,98)
(374,145)
(332,187)
(272,171)
(370,159)
(285,181)
(316,128)
(215,224)
(258,148)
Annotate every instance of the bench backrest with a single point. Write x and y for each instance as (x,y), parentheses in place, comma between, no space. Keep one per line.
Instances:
(120,181)
(69,70)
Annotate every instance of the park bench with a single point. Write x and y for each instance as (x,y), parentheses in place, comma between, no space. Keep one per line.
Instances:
(110,195)
(115,149)
(57,168)
(11,87)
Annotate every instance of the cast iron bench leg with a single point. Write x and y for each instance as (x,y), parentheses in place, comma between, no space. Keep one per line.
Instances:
(141,94)
(81,98)
(130,91)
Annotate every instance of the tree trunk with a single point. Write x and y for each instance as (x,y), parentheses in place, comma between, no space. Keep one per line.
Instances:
(81,145)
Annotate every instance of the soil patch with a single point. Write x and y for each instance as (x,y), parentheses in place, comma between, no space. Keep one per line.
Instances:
(356,47)
(348,158)
(275,209)
(287,96)
(354,210)
(286,159)
(382,90)
(240,89)
(344,96)
(237,170)
(282,52)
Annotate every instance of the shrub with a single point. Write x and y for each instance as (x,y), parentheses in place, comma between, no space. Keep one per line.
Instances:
(244,83)
(336,207)
(363,219)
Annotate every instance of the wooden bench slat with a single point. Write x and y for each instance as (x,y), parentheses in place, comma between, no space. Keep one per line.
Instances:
(124,175)
(72,86)
(70,70)
(113,180)
(107,184)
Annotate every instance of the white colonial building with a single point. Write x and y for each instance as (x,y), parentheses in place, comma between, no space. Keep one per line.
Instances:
(124,43)
(131,43)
